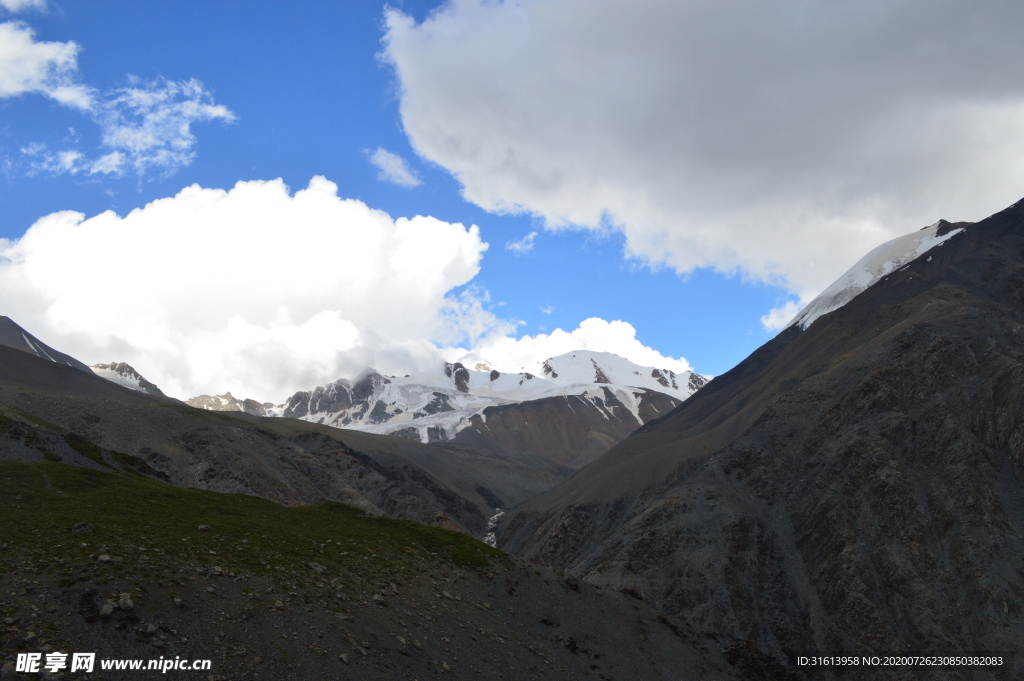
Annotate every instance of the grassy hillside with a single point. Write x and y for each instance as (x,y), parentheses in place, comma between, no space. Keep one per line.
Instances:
(129,567)
(131,515)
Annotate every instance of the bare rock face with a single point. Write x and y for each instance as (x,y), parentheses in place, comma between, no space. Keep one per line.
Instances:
(697,382)
(459,374)
(855,486)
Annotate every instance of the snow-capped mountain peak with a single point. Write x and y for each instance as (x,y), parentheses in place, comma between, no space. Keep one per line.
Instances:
(589,366)
(124,374)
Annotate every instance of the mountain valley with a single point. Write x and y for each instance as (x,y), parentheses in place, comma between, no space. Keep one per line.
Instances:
(853,487)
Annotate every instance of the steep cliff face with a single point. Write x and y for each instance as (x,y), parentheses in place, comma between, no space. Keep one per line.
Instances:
(852,487)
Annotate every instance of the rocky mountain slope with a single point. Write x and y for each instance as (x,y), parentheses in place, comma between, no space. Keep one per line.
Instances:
(853,487)
(575,407)
(52,411)
(131,568)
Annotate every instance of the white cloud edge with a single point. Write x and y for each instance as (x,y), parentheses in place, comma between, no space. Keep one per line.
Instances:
(22,5)
(526,353)
(48,68)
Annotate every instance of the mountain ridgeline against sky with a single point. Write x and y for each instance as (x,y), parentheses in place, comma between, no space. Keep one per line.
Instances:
(13,336)
(854,485)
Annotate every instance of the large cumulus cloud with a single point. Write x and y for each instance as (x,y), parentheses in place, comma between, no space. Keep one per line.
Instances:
(778,140)
(254,289)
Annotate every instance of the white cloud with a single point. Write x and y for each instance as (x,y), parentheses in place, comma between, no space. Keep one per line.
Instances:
(44,68)
(108,164)
(21,5)
(507,353)
(149,124)
(146,126)
(778,317)
(393,168)
(254,290)
(522,246)
(547,309)
(779,142)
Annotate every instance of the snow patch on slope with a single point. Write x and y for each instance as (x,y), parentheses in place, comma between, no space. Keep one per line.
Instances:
(884,260)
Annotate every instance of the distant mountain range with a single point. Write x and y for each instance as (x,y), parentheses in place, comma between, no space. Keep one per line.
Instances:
(577,406)
(581,403)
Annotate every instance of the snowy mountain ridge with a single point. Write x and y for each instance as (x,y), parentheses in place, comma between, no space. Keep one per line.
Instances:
(437,403)
(879,263)
(125,375)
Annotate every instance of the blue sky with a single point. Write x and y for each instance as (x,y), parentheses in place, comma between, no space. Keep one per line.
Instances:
(666,204)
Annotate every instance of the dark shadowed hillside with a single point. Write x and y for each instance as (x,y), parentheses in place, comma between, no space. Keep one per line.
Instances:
(56,412)
(132,568)
(851,488)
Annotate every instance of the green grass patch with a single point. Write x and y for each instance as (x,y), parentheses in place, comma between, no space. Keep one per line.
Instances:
(40,502)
